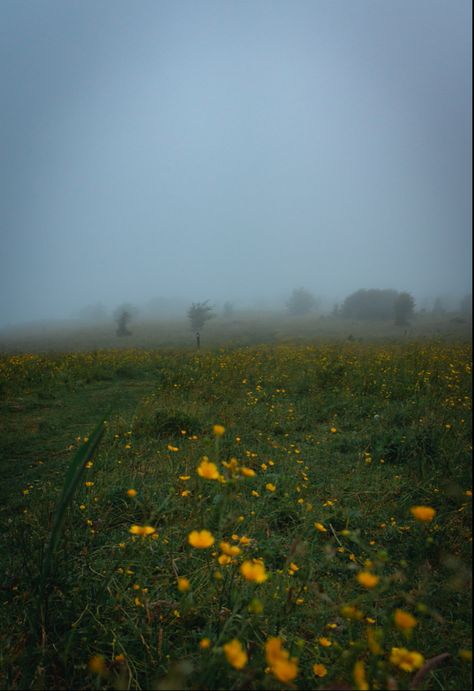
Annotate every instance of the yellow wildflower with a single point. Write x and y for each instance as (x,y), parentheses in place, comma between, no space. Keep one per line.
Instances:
(132,492)
(325,642)
(360,679)
(247,472)
(205,643)
(278,659)
(404,620)
(230,550)
(367,579)
(218,430)
(320,670)
(406,660)
(97,665)
(143,530)
(254,571)
(235,654)
(270,487)
(208,470)
(201,539)
(320,527)
(183,584)
(425,514)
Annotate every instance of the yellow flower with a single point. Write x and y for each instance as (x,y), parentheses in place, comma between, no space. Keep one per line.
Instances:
(143,530)
(224,559)
(185,478)
(235,654)
(465,655)
(367,579)
(183,584)
(208,470)
(89,483)
(425,514)
(205,643)
(285,670)
(320,527)
(333,430)
(201,539)
(404,620)
(320,670)
(278,659)
(360,679)
(325,642)
(270,487)
(406,660)
(247,472)
(132,492)
(218,430)
(230,550)
(254,571)
(97,665)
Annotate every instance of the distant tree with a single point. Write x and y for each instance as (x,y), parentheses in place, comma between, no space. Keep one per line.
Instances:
(373,304)
(465,306)
(198,314)
(301,302)
(123,316)
(404,308)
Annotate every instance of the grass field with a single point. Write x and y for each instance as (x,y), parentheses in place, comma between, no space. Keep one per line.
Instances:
(316,571)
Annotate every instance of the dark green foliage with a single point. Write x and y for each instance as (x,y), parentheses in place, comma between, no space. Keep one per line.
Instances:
(198,314)
(404,308)
(373,305)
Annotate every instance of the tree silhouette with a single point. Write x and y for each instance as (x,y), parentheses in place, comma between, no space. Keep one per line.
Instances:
(403,307)
(198,314)
(301,302)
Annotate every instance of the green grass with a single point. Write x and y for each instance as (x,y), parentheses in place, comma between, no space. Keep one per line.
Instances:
(351,436)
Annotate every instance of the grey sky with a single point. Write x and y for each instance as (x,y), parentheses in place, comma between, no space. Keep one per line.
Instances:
(232,150)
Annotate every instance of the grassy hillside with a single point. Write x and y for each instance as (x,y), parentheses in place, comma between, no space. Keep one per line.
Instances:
(317,567)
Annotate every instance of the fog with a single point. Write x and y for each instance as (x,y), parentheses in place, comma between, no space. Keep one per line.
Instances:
(184,151)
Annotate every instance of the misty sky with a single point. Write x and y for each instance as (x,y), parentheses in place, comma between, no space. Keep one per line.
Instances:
(232,149)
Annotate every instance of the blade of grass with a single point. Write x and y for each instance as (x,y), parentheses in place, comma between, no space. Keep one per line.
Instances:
(71,481)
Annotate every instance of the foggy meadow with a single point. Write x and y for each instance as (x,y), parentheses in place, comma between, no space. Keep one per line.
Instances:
(235,344)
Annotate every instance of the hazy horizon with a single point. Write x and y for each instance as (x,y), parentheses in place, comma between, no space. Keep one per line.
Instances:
(232,151)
